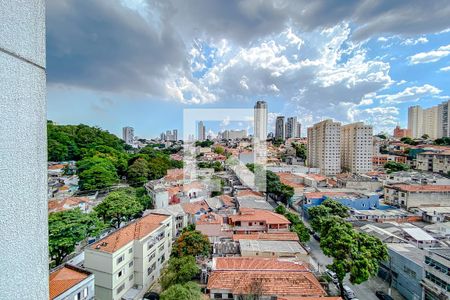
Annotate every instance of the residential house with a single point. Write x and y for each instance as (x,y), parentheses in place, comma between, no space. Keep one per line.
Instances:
(71,282)
(250,220)
(128,261)
(436,283)
(409,196)
(267,248)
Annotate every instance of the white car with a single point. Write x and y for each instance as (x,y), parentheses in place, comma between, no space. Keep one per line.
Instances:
(349,293)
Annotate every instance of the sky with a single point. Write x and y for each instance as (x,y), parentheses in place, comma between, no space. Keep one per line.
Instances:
(116,63)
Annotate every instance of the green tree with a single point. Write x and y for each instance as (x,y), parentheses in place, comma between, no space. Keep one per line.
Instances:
(301,231)
(300,150)
(191,243)
(337,208)
(143,198)
(219,150)
(179,271)
(186,291)
(98,176)
(67,228)
(138,172)
(318,215)
(119,206)
(280,209)
(357,254)
(393,166)
(408,140)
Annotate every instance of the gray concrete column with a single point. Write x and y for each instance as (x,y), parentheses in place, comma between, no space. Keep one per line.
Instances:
(23,151)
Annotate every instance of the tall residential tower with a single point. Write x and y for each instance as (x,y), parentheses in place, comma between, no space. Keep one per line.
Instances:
(260,120)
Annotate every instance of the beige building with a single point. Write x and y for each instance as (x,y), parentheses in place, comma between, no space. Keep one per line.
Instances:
(357,148)
(415,196)
(324,147)
(415,121)
(430,122)
(128,261)
(443,119)
(437,162)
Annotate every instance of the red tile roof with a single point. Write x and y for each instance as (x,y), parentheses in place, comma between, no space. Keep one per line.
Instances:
(279,236)
(252,263)
(210,218)
(55,205)
(133,231)
(421,188)
(244,193)
(56,167)
(64,278)
(193,207)
(279,283)
(249,214)
(316,195)
(227,200)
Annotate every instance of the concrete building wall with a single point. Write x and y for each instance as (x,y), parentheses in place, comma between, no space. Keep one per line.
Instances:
(23,151)
(430,122)
(85,288)
(356,148)
(415,121)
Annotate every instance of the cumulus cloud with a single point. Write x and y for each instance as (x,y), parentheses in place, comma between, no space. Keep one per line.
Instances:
(413,93)
(430,56)
(445,69)
(409,42)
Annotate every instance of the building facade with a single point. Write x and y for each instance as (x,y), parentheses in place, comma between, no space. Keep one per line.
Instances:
(291,128)
(260,120)
(201,131)
(443,119)
(324,147)
(128,135)
(409,196)
(436,283)
(356,148)
(433,121)
(401,132)
(128,261)
(279,128)
(437,162)
(415,121)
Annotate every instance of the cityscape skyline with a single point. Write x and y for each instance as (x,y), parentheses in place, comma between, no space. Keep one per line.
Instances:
(335,67)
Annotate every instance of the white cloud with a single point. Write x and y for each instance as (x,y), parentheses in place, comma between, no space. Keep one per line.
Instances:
(409,94)
(445,69)
(430,56)
(421,40)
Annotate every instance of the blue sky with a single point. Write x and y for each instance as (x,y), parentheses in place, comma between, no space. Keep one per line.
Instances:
(140,63)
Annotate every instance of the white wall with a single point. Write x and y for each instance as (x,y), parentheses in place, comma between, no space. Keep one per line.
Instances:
(23,152)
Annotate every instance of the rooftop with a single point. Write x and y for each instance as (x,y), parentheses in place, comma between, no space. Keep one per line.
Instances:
(444,252)
(194,207)
(271,246)
(409,251)
(64,278)
(133,231)
(251,263)
(249,214)
(420,188)
(279,236)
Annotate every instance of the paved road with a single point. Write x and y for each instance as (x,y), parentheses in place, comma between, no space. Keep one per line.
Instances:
(364,291)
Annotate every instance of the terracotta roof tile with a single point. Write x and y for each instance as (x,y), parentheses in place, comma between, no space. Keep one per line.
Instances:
(249,214)
(421,188)
(279,236)
(244,193)
(64,278)
(133,231)
(251,263)
(227,200)
(55,205)
(193,207)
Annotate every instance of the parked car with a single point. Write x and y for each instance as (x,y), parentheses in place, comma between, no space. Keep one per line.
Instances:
(348,293)
(316,237)
(383,296)
(332,275)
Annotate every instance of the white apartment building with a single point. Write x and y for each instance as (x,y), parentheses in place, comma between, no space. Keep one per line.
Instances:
(279,128)
(299,130)
(201,131)
(324,147)
(234,134)
(357,148)
(128,261)
(415,121)
(434,121)
(443,119)
(291,128)
(128,135)
(260,120)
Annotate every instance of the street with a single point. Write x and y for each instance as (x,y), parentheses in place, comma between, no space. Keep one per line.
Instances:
(364,291)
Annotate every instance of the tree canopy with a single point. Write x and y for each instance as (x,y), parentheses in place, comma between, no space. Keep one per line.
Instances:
(297,226)
(186,291)
(300,150)
(191,243)
(179,270)
(96,173)
(393,166)
(67,228)
(119,206)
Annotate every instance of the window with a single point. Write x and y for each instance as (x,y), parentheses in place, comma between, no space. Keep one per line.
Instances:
(120,259)
(77,296)
(151,269)
(120,288)
(85,292)
(130,264)
(217,296)
(120,273)
(131,277)
(152,256)
(130,250)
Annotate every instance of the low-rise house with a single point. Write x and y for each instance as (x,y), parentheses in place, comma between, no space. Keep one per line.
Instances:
(383,215)
(128,261)
(378,161)
(404,269)
(435,214)
(415,177)
(419,238)
(195,209)
(252,199)
(71,282)
(409,196)
(234,277)
(434,161)
(437,278)
(354,200)
(83,203)
(258,220)
(267,248)
(263,236)
(213,226)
